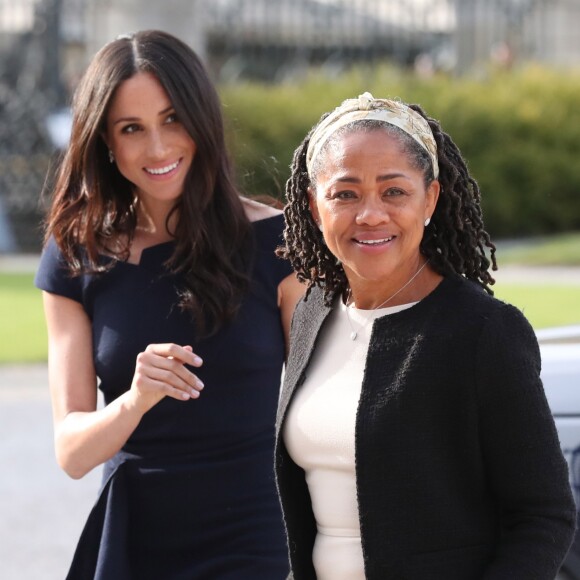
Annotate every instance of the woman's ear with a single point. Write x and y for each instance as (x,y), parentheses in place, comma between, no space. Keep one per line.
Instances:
(431,197)
(313,206)
(106,141)
(104,137)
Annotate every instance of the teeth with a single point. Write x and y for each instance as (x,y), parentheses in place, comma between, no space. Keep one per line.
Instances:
(163,170)
(373,242)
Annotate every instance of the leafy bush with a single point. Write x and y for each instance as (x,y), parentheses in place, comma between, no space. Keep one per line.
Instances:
(519,132)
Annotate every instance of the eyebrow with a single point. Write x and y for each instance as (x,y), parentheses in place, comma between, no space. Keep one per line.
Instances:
(380,178)
(133,119)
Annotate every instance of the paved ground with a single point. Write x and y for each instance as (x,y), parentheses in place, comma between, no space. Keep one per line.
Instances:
(42,511)
(538,275)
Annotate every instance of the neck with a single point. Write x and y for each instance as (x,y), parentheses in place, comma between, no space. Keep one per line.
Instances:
(152,223)
(414,286)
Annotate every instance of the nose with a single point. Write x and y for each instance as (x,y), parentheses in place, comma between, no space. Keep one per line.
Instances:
(372,212)
(157,146)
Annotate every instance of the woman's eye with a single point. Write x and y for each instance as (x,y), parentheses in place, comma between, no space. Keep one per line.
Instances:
(347,194)
(128,129)
(171,118)
(393,192)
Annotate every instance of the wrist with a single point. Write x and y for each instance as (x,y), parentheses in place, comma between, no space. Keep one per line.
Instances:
(133,404)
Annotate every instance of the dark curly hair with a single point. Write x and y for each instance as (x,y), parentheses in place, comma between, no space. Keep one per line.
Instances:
(454,243)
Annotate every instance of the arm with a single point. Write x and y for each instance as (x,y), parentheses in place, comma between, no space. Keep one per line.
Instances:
(290,291)
(522,454)
(84,436)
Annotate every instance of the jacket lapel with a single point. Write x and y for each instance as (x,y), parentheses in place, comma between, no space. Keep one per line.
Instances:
(308,318)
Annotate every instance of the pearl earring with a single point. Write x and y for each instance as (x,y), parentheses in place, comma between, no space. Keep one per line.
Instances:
(320,227)
(427,222)
(111,157)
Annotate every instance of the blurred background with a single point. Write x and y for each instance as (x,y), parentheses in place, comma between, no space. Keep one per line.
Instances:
(502,76)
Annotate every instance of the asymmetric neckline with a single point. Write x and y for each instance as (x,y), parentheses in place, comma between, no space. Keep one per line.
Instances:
(152,253)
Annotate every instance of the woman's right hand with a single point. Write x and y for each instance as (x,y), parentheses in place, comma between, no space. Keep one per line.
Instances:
(160,372)
(85,435)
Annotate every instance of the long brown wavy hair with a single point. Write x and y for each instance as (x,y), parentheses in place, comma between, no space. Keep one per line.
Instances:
(93,205)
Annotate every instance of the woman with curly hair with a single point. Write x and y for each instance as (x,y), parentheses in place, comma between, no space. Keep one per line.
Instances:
(414,439)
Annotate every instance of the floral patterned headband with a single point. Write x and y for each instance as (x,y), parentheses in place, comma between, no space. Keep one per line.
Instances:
(367,107)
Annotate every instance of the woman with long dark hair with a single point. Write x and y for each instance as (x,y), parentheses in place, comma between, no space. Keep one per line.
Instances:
(162,288)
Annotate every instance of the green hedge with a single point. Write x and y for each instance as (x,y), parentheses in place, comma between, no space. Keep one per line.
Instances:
(520,133)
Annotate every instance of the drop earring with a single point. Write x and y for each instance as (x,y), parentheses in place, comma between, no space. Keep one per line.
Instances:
(111,157)
(427,222)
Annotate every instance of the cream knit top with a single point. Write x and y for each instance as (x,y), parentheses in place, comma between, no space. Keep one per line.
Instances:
(319,434)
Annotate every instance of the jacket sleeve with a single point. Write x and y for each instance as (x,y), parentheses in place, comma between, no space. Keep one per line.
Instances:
(525,465)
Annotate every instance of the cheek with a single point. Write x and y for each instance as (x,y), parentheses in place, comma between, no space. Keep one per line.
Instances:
(327,220)
(183,139)
(336,227)
(127,164)
(335,219)
(123,162)
(128,155)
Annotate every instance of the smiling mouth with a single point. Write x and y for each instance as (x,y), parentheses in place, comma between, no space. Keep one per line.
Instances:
(375,242)
(162,170)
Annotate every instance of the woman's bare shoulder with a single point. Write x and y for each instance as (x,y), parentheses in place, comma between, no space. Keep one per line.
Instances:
(256,210)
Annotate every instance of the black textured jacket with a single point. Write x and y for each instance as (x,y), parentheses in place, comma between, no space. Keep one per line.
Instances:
(459,470)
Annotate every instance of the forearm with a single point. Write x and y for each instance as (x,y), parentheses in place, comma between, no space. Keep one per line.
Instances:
(534,548)
(84,440)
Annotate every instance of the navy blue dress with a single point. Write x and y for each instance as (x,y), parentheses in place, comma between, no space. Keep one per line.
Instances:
(192,494)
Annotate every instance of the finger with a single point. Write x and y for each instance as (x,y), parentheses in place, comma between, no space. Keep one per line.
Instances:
(155,380)
(167,370)
(182,377)
(197,360)
(177,377)
(174,392)
(175,351)
(182,372)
